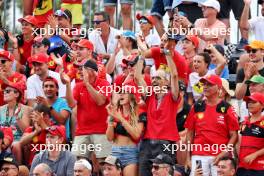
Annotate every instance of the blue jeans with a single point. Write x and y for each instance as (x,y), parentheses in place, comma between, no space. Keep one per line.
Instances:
(159,7)
(113,2)
(126,154)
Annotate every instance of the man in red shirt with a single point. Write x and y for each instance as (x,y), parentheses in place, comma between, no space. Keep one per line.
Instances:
(212,127)
(22,43)
(251,152)
(90,97)
(7,75)
(162,105)
(168,42)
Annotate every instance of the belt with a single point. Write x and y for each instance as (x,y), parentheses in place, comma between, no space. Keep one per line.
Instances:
(157,141)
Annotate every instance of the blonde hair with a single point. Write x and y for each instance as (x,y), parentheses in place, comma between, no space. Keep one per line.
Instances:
(133,107)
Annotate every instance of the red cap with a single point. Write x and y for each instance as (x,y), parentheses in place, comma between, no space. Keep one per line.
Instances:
(258,97)
(212,79)
(8,133)
(148,17)
(129,58)
(7,55)
(49,78)
(40,58)
(19,86)
(57,131)
(193,39)
(30,19)
(84,43)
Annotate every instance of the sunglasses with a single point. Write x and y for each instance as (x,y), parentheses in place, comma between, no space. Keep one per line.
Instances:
(52,128)
(37,45)
(143,21)
(157,167)
(60,13)
(98,22)
(7,91)
(131,64)
(252,50)
(3,61)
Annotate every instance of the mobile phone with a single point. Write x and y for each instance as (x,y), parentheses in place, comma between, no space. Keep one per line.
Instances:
(198,164)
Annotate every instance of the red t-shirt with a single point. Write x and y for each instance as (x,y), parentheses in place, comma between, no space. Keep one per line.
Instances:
(35,143)
(72,1)
(25,51)
(161,122)
(8,133)
(16,77)
(211,129)
(91,118)
(178,59)
(252,140)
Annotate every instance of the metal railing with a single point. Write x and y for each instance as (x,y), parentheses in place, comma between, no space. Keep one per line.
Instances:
(99,6)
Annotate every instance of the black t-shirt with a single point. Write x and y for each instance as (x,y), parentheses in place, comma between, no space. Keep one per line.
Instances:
(241,76)
(181,116)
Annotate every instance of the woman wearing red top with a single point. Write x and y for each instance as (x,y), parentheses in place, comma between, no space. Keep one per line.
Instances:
(125,127)
(251,154)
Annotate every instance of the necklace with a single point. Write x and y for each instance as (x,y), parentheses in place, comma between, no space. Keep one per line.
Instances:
(10,118)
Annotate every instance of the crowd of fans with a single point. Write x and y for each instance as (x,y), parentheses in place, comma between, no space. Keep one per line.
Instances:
(114,102)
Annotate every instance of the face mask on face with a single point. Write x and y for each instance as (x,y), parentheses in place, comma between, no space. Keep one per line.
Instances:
(2,42)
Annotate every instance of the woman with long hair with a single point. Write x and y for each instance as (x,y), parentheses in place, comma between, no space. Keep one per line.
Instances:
(125,128)
(14,114)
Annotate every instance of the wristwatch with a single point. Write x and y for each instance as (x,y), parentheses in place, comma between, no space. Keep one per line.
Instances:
(166,52)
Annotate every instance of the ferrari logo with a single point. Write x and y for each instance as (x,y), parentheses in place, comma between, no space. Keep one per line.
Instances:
(200,115)
(198,87)
(223,109)
(35,139)
(262,123)
(51,63)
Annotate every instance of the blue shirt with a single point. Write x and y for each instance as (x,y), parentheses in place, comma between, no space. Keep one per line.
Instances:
(225,72)
(59,105)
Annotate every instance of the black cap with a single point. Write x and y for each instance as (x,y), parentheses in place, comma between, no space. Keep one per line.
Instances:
(8,158)
(91,64)
(220,49)
(260,1)
(162,159)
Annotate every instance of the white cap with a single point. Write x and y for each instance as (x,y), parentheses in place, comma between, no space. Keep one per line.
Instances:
(212,3)
(225,85)
(84,163)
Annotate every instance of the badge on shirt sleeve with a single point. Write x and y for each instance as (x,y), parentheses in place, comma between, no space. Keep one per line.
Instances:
(200,115)
(262,123)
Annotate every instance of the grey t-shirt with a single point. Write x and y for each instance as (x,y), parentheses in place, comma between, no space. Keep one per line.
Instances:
(63,166)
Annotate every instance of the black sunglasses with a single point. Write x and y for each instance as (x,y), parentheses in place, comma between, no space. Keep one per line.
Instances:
(157,167)
(252,50)
(7,91)
(37,45)
(3,61)
(98,22)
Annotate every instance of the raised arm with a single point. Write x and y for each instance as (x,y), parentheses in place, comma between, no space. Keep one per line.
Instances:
(244,24)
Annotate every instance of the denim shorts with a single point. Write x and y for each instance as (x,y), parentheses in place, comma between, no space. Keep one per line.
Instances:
(113,2)
(126,154)
(159,7)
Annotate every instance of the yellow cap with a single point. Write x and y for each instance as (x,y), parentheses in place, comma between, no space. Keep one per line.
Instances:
(255,44)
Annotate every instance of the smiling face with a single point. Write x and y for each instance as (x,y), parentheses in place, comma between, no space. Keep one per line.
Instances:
(254,106)
(255,55)
(10,94)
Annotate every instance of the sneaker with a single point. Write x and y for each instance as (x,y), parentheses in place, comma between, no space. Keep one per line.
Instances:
(243,42)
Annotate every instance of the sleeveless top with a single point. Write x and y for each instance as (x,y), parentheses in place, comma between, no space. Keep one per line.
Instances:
(11,121)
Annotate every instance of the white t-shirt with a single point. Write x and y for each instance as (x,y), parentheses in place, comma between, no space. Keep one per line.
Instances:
(194,87)
(35,85)
(152,39)
(98,43)
(256,26)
